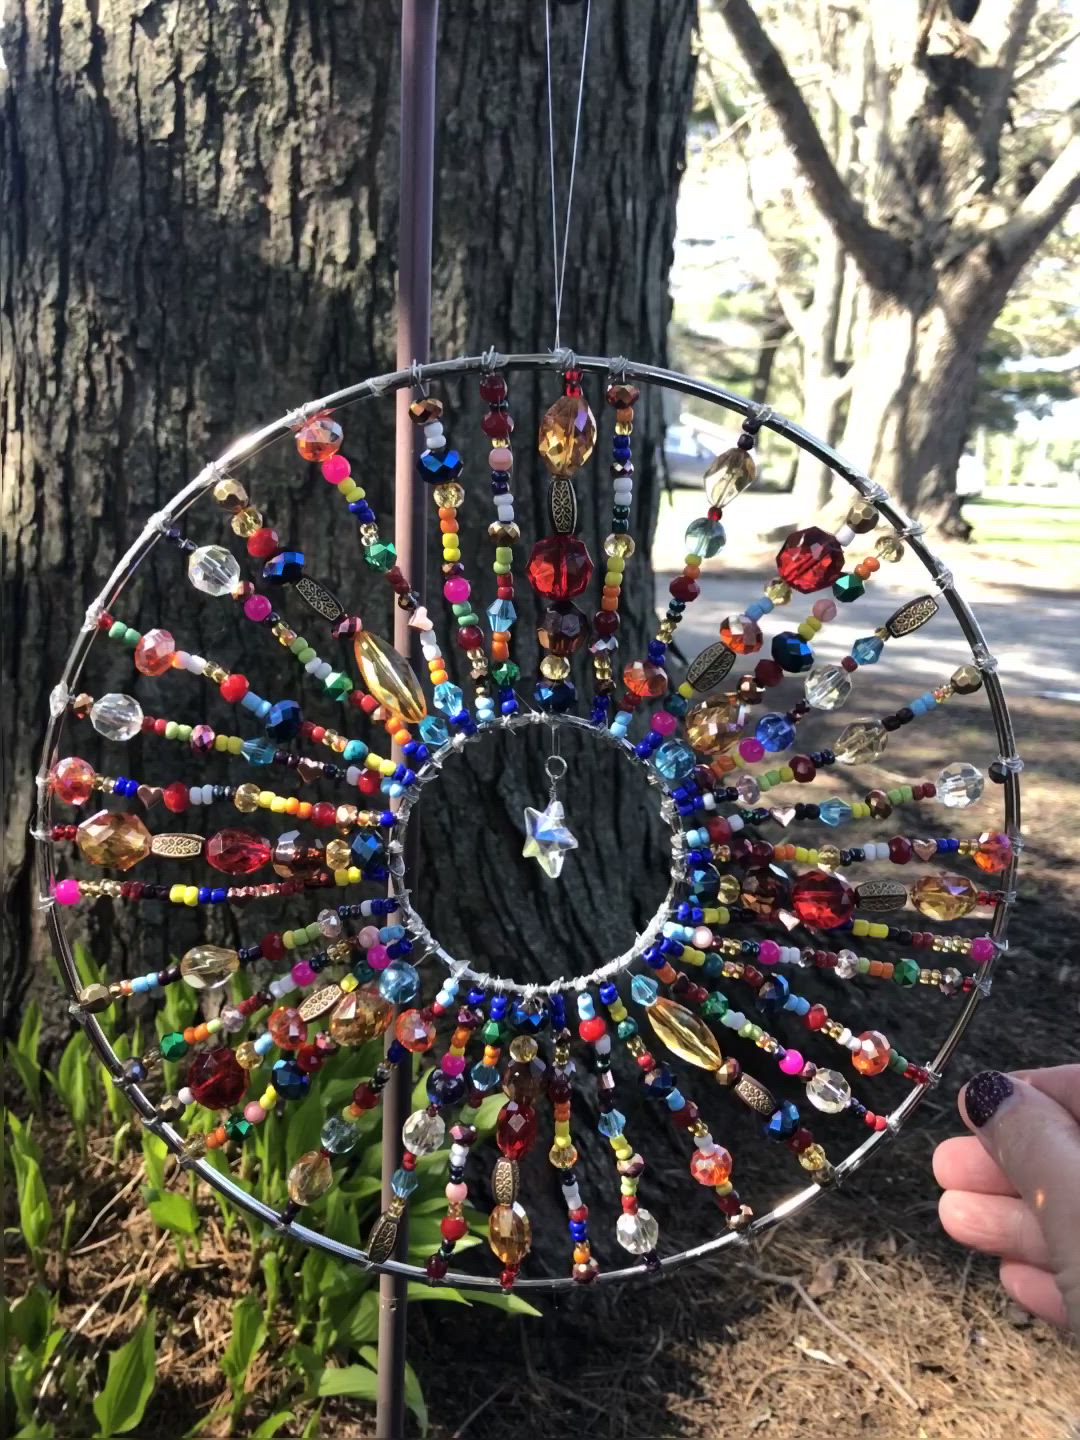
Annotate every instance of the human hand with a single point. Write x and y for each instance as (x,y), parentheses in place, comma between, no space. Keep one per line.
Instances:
(1013,1187)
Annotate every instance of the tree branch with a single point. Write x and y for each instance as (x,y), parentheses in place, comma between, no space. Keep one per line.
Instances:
(1010,28)
(1041,210)
(880,256)
(1047,57)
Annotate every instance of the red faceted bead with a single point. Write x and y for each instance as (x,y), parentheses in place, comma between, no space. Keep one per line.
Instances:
(175,797)
(470,637)
(454,1227)
(364,1097)
(559,567)
(234,688)
(323,813)
(822,900)
(768,673)
(816,1017)
(515,1129)
(899,849)
(803,768)
(498,424)
(287,1027)
(263,543)
(493,388)
(237,852)
(810,559)
(310,1058)
(684,588)
(216,1079)
(369,783)
(437,1267)
(605,623)
(272,946)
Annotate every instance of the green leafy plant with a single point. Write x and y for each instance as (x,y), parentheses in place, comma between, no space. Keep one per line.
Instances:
(129,1383)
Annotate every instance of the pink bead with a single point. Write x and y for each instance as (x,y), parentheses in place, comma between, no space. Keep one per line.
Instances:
(501,458)
(751,749)
(378,957)
(664,723)
(792,1063)
(981,949)
(368,936)
(254,1112)
(703,937)
(768,952)
(257,607)
(453,1064)
(66,892)
(336,469)
(302,973)
(458,1193)
(824,610)
(457,589)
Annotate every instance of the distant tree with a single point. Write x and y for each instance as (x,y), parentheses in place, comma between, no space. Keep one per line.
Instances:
(935,154)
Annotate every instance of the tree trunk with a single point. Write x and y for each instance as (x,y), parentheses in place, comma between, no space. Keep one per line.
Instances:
(198,232)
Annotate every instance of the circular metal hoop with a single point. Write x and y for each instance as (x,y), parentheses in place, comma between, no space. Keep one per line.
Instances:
(495,983)
(417,375)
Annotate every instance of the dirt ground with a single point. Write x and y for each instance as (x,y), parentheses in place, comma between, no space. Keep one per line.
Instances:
(861,1321)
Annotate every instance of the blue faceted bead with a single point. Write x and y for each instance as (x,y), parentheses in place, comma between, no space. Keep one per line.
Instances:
(404,1182)
(775,732)
(284,720)
(611,1123)
(705,537)
(284,569)
(773,994)
(703,879)
(289,1080)
(867,651)
(436,732)
(258,752)
(399,983)
(443,1089)
(484,1077)
(659,1083)
(439,466)
(791,652)
(448,698)
(834,812)
(674,760)
(366,846)
(501,614)
(644,989)
(555,696)
(783,1121)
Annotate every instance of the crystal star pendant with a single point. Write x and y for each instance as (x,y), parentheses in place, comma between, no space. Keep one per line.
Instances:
(548,839)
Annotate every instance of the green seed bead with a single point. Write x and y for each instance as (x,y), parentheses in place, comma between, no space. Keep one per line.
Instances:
(171,729)
(183,733)
(501,567)
(298,644)
(305,655)
(896,796)
(504,553)
(132,637)
(864,965)
(117,631)
(461,607)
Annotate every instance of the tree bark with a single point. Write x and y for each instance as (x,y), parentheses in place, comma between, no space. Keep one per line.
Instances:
(198,233)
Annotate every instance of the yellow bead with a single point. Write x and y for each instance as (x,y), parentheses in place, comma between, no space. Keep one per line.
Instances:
(310,1178)
(684,1034)
(389,678)
(176,894)
(509,1233)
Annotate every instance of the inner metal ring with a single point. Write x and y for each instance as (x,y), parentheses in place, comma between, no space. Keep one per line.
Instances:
(461,969)
(250,445)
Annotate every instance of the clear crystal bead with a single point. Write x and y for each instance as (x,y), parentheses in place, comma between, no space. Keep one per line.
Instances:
(117,717)
(847,964)
(828,1091)
(861,743)
(827,687)
(637,1233)
(213,570)
(422,1133)
(959,785)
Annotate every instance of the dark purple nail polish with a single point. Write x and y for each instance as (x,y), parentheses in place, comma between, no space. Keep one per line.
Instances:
(984,1094)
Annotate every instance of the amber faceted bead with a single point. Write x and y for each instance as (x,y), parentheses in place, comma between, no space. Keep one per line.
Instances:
(644,679)
(709,727)
(118,841)
(310,1178)
(509,1233)
(741,635)
(559,567)
(72,780)
(872,1056)
(943,897)
(685,1034)
(567,435)
(562,628)
(389,677)
(360,1015)
(319,439)
(994,852)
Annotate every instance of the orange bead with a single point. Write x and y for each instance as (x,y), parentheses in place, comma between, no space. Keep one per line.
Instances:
(189,1035)
(438,676)
(303,810)
(446,512)
(692,571)
(460,1038)
(666,976)
(582,1255)
(872,563)
(500,650)
(609,602)
(449,527)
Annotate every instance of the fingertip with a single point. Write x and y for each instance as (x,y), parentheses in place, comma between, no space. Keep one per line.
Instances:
(1035,1290)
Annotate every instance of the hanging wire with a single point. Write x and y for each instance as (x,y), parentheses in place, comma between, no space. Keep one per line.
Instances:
(559,255)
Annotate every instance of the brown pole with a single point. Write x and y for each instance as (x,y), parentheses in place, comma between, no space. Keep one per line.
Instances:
(419,27)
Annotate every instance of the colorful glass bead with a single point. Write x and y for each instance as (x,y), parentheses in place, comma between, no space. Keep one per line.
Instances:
(285,568)
(867,650)
(810,559)
(943,897)
(732,472)
(509,1233)
(567,435)
(559,567)
(287,1027)
(966,679)
(994,852)
(440,467)
(422,1132)
(501,615)
(741,635)
(684,1034)
(960,785)
(674,760)
(216,1079)
(709,727)
(399,983)
(705,537)
(448,698)
(339,1135)
(154,652)
(360,1015)
(711,1167)
(776,732)
(515,1129)
(116,840)
(116,717)
(562,628)
(644,989)
(208,967)
(389,677)
(822,900)
(213,570)
(847,588)
(872,1056)
(415,1031)
(319,439)
(237,852)
(434,732)
(861,743)
(827,687)
(791,652)
(828,1091)
(284,720)
(288,1078)
(72,780)
(310,1178)
(644,679)
(637,1232)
